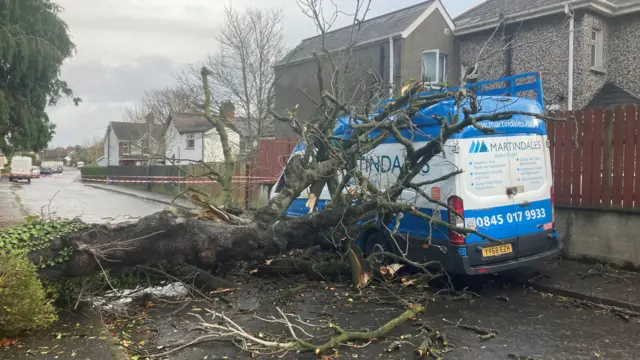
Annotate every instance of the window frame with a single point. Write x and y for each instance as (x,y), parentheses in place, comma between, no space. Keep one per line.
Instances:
(596,48)
(126,148)
(190,137)
(439,72)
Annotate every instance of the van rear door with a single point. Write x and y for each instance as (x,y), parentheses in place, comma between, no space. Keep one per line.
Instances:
(488,207)
(532,179)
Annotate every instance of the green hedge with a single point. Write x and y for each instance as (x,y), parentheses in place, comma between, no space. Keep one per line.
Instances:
(94,172)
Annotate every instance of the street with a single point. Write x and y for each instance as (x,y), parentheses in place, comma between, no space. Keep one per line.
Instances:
(534,324)
(60,195)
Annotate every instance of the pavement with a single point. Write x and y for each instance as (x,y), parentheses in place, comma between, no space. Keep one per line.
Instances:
(598,283)
(145,195)
(544,323)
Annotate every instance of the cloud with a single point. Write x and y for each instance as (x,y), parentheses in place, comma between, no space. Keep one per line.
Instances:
(106,90)
(99,82)
(127,47)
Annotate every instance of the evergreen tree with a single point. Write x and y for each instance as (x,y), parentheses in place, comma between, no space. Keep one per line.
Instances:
(34,42)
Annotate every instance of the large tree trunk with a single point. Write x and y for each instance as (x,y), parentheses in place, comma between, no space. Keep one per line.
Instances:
(172,238)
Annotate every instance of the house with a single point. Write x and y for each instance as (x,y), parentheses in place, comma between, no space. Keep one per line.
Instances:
(190,137)
(587,51)
(128,143)
(412,43)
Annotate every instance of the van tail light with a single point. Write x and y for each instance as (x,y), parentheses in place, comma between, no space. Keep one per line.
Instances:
(456,204)
(553,210)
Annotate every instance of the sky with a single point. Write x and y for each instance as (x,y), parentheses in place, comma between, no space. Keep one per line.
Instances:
(126,47)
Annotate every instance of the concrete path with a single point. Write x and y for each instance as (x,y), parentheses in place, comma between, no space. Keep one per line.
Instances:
(593,282)
(145,195)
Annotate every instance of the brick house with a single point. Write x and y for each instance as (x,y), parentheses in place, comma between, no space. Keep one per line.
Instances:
(415,42)
(524,35)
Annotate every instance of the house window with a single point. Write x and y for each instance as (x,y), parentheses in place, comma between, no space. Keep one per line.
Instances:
(191,141)
(126,148)
(434,66)
(596,45)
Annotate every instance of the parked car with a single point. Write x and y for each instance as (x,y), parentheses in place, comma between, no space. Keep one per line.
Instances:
(35,172)
(80,164)
(59,169)
(46,171)
(21,168)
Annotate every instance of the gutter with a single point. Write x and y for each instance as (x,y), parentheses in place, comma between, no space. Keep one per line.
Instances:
(569,11)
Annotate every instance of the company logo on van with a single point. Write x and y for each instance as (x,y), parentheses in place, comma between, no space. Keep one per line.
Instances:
(478,147)
(516,145)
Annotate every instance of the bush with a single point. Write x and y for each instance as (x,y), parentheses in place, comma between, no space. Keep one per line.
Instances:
(94,171)
(23,300)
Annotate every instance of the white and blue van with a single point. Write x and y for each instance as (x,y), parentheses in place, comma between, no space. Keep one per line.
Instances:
(505,191)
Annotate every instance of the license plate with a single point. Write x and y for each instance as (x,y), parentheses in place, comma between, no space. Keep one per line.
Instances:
(497,250)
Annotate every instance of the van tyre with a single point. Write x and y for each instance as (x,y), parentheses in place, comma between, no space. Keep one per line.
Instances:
(377,242)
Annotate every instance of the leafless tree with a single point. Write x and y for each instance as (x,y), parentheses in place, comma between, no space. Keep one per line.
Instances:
(249,43)
(159,103)
(94,147)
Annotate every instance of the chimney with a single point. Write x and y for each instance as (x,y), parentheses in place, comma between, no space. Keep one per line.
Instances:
(228,110)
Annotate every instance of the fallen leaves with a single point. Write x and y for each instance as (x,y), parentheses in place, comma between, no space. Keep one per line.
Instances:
(7,342)
(389,272)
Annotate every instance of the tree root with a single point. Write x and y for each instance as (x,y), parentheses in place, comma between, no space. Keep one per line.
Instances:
(483,334)
(225,328)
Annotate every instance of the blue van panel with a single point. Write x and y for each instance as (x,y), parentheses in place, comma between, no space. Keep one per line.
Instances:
(530,220)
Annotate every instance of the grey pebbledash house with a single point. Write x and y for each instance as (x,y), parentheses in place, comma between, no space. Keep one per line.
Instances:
(416,42)
(587,51)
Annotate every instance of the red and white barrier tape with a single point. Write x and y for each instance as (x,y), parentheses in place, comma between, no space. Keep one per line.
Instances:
(236,181)
(173,177)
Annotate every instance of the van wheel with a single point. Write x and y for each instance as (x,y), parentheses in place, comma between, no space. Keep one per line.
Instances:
(377,243)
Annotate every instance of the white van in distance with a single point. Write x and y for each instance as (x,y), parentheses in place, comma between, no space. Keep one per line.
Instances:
(20,168)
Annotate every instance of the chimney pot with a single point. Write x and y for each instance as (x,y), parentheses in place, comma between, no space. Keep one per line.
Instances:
(228,110)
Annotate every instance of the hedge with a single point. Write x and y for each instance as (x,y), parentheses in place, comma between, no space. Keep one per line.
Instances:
(94,172)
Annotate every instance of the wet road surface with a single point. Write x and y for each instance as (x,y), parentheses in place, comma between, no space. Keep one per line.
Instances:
(60,195)
(538,325)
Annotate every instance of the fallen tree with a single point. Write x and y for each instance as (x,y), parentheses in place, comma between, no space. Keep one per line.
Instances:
(212,237)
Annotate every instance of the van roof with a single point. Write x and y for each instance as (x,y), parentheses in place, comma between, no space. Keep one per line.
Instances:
(427,128)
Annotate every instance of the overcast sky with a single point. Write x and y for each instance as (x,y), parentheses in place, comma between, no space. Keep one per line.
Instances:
(125,47)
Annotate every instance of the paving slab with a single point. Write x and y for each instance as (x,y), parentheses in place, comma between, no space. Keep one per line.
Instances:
(593,282)
(75,336)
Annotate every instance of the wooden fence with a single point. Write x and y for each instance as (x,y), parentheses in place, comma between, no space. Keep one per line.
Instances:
(596,158)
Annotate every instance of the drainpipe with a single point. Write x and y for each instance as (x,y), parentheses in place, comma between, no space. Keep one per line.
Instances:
(391,66)
(570,13)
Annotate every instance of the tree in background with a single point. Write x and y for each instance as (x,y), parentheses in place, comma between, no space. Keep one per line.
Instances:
(249,43)
(160,103)
(34,42)
(93,149)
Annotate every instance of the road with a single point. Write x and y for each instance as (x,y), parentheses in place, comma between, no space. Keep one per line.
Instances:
(535,324)
(61,195)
